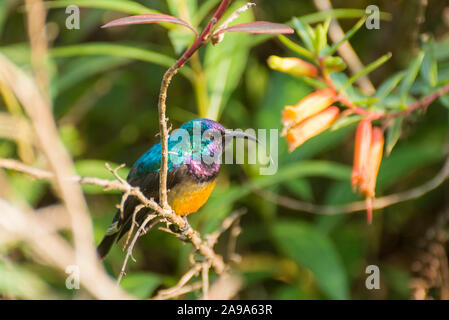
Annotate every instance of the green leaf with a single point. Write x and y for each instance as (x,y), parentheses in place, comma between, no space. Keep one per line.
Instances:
(313,82)
(130,7)
(301,29)
(180,37)
(444,100)
(429,67)
(393,135)
(338,14)
(345,121)
(321,38)
(442,50)
(372,66)
(389,85)
(412,73)
(347,36)
(314,250)
(296,47)
(96,168)
(79,69)
(125,51)
(141,285)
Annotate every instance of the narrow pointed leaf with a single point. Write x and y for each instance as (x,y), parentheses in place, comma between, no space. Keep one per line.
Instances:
(129,7)
(393,135)
(412,73)
(258,27)
(302,32)
(347,36)
(372,66)
(429,67)
(345,121)
(296,47)
(388,85)
(147,18)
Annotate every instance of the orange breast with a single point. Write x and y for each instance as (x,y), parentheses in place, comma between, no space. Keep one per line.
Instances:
(189,197)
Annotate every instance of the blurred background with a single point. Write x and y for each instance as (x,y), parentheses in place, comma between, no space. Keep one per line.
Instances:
(104,87)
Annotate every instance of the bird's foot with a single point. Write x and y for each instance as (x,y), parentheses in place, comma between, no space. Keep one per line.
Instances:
(181,231)
(186,226)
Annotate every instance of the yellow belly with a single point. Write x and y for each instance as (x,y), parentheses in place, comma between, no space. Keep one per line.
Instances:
(188,197)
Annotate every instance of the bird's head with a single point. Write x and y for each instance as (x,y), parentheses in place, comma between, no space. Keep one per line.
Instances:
(203,141)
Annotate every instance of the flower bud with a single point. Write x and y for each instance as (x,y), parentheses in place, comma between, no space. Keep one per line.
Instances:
(307,107)
(334,64)
(293,66)
(311,127)
(374,159)
(361,153)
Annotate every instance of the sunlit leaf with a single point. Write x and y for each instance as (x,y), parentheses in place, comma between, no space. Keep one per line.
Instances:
(147,18)
(296,47)
(302,32)
(258,27)
(126,6)
(125,51)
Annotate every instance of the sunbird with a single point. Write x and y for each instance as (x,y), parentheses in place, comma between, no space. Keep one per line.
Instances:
(194,153)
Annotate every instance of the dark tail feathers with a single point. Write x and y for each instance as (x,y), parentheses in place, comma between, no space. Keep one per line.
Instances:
(106,244)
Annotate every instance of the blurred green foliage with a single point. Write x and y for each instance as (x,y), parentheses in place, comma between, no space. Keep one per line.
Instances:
(105,83)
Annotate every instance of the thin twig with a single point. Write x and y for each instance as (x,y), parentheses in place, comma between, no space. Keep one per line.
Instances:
(173,291)
(129,251)
(190,234)
(379,203)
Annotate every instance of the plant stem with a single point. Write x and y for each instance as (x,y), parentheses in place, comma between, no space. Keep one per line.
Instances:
(201,40)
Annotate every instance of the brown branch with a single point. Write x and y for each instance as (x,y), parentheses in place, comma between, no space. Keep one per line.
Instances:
(177,289)
(129,251)
(201,40)
(422,103)
(190,234)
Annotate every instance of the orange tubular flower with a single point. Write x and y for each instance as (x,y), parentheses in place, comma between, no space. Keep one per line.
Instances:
(361,153)
(375,157)
(311,127)
(293,66)
(307,107)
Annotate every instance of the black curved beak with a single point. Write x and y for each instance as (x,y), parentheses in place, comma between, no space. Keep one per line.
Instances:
(240,135)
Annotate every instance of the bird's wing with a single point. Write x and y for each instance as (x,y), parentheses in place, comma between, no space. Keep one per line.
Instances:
(149,185)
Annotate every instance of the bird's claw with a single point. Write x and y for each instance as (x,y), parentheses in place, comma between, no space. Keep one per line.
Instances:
(186,226)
